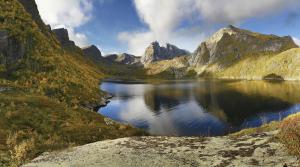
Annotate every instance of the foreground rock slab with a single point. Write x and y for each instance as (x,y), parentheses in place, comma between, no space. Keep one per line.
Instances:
(254,150)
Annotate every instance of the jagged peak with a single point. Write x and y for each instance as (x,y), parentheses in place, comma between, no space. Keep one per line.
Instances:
(155,43)
(232,30)
(90,46)
(219,34)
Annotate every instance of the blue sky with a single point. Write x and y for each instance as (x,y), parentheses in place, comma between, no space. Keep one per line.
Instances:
(117,26)
(108,20)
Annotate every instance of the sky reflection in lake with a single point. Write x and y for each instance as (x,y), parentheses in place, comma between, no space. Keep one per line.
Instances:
(197,108)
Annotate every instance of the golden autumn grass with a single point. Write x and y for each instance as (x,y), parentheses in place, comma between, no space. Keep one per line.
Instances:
(31,124)
(49,89)
(289,133)
(285,64)
(44,110)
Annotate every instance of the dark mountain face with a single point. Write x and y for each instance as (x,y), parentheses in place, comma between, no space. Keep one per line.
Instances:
(155,52)
(62,36)
(93,53)
(11,50)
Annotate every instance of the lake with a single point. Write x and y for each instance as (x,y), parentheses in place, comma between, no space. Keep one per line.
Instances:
(202,107)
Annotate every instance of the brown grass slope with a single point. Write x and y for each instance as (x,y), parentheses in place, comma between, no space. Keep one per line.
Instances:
(45,93)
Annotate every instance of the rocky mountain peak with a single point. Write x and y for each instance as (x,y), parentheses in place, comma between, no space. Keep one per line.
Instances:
(155,52)
(230,30)
(123,59)
(62,36)
(155,44)
(92,52)
(231,44)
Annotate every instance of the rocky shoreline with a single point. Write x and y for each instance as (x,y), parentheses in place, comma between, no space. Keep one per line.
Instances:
(252,150)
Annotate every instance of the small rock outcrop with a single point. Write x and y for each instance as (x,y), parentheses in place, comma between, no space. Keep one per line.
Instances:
(231,43)
(93,53)
(273,77)
(11,50)
(155,52)
(62,36)
(124,59)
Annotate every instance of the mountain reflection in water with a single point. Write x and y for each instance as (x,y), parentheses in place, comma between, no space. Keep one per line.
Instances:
(200,108)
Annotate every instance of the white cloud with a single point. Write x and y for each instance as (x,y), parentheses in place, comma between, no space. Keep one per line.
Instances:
(297,41)
(69,14)
(164,19)
(80,39)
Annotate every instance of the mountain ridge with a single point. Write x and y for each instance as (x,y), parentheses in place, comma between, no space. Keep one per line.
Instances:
(232,43)
(123,59)
(154,52)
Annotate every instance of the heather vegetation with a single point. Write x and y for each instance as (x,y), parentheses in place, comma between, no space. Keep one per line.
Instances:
(47,94)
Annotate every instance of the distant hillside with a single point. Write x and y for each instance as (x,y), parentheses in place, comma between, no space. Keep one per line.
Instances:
(282,66)
(123,59)
(177,67)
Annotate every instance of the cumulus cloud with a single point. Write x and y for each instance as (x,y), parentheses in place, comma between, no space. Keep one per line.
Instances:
(297,41)
(164,19)
(68,14)
(79,38)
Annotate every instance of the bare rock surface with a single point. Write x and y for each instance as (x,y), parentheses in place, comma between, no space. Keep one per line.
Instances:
(155,53)
(124,59)
(62,35)
(93,52)
(253,150)
(11,50)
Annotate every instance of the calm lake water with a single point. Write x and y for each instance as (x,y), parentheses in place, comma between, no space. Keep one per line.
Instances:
(200,108)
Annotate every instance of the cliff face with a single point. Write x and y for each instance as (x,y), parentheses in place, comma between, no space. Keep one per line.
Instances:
(62,36)
(93,53)
(11,50)
(124,59)
(231,44)
(155,52)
